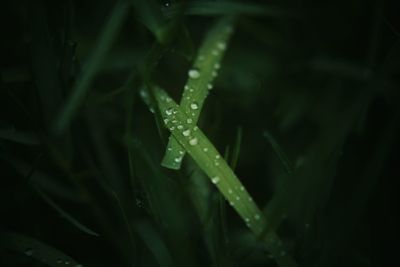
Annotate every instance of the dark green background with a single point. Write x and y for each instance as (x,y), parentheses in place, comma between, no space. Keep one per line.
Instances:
(322,77)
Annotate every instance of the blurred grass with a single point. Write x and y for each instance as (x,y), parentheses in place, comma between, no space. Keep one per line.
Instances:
(321,78)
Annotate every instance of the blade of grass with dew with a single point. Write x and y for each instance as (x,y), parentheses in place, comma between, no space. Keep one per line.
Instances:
(210,161)
(287,164)
(200,81)
(36,249)
(106,39)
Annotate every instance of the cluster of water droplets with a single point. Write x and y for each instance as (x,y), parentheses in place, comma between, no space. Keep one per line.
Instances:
(185,131)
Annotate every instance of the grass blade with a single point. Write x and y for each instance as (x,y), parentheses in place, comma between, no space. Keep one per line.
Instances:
(154,243)
(65,214)
(82,85)
(236,148)
(217,8)
(199,83)
(210,161)
(287,164)
(36,249)
(26,138)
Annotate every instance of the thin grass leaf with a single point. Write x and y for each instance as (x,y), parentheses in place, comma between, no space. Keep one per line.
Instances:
(284,159)
(149,13)
(200,81)
(217,8)
(36,249)
(154,243)
(236,148)
(25,138)
(106,39)
(210,161)
(65,214)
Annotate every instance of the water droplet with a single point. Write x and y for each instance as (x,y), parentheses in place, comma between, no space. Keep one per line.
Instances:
(216,163)
(221,45)
(28,252)
(250,199)
(174,121)
(194,74)
(172,128)
(209,86)
(191,90)
(67,262)
(166,121)
(195,128)
(214,74)
(217,66)
(257,216)
(152,110)
(217,156)
(193,141)
(230,191)
(237,198)
(178,159)
(169,112)
(194,106)
(179,127)
(189,120)
(242,188)
(247,219)
(215,180)
(205,149)
(167,4)
(169,149)
(231,203)
(181,152)
(168,99)
(186,133)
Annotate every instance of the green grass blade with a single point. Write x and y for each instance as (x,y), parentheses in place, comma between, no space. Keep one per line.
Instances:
(148,12)
(236,148)
(287,164)
(82,85)
(154,243)
(217,8)
(25,138)
(200,81)
(210,161)
(36,249)
(65,214)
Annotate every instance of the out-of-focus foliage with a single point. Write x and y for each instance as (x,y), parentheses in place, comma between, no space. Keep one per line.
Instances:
(312,86)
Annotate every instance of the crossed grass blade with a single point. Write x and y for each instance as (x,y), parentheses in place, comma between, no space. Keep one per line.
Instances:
(200,82)
(193,141)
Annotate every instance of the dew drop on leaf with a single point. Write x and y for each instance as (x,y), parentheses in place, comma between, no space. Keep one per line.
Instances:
(194,74)
(193,141)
